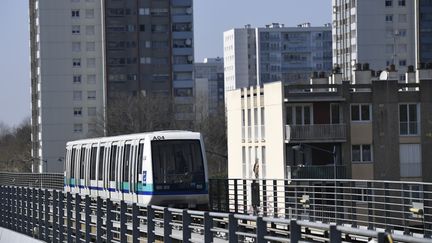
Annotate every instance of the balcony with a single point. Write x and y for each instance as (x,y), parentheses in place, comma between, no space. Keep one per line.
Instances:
(316,172)
(315,133)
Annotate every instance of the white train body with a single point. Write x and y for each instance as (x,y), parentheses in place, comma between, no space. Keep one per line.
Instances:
(167,168)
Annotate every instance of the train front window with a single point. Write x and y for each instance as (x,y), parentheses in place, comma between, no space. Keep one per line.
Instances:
(177,164)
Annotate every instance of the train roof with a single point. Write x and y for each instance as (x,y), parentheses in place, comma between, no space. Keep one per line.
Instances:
(134,136)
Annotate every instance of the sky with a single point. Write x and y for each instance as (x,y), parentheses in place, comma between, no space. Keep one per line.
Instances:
(211,19)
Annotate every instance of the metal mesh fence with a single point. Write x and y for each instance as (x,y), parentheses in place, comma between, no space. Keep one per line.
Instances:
(32,180)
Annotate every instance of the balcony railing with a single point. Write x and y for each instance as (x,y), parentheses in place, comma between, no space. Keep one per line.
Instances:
(320,132)
(316,172)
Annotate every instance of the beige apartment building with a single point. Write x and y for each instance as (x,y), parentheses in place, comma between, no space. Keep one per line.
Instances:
(376,128)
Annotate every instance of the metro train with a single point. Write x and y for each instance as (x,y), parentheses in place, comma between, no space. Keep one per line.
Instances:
(167,168)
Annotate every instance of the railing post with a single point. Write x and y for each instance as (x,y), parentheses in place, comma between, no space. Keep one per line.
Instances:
(211,194)
(335,234)
(1,206)
(244,193)
(28,200)
(47,216)
(261,230)
(34,212)
(370,207)
(14,208)
(232,228)
(61,220)
(167,217)
(87,211)
(109,217)
(135,223)
(69,216)
(123,221)
(150,224)
(286,199)
(218,195)
(354,204)
(235,196)
(40,217)
(264,201)
(427,205)
(387,207)
(77,218)
(295,232)
(19,210)
(99,215)
(55,222)
(187,220)
(275,199)
(208,224)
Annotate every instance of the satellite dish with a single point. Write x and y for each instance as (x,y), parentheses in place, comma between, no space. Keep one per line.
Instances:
(189,10)
(384,75)
(188,42)
(190,58)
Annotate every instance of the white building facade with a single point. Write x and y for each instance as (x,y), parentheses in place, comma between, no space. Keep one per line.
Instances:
(66,76)
(255,56)
(380,33)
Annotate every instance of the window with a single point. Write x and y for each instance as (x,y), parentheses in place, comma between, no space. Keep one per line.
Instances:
(76,62)
(100,162)
(410,160)
(113,162)
(77,79)
(76,29)
(126,162)
(361,112)
(78,127)
(144,11)
(75,13)
(76,46)
(408,119)
(90,30)
(388,3)
(335,113)
(91,78)
(91,62)
(91,111)
(77,95)
(263,162)
(89,13)
(401,2)
(142,27)
(402,62)
(299,115)
(389,18)
(183,92)
(77,111)
(90,46)
(145,60)
(82,161)
(93,153)
(91,95)
(361,153)
(243,162)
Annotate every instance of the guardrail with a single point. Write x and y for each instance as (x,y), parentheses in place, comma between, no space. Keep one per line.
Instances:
(390,206)
(55,216)
(35,180)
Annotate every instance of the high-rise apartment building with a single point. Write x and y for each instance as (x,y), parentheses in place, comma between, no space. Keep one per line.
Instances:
(378,32)
(85,53)
(66,76)
(423,31)
(209,87)
(260,55)
(149,49)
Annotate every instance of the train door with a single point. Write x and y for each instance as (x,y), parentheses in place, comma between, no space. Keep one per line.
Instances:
(106,171)
(92,182)
(144,172)
(113,171)
(133,172)
(84,162)
(127,185)
(74,169)
(100,169)
(67,170)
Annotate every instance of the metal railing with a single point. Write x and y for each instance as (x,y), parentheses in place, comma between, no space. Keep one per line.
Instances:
(55,216)
(34,180)
(315,132)
(390,206)
(316,172)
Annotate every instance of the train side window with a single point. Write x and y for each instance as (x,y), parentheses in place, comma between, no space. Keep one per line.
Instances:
(113,162)
(100,164)
(82,163)
(140,158)
(93,163)
(126,162)
(66,165)
(72,164)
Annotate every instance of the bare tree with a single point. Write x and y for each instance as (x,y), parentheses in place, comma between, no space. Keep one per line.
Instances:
(15,147)
(132,114)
